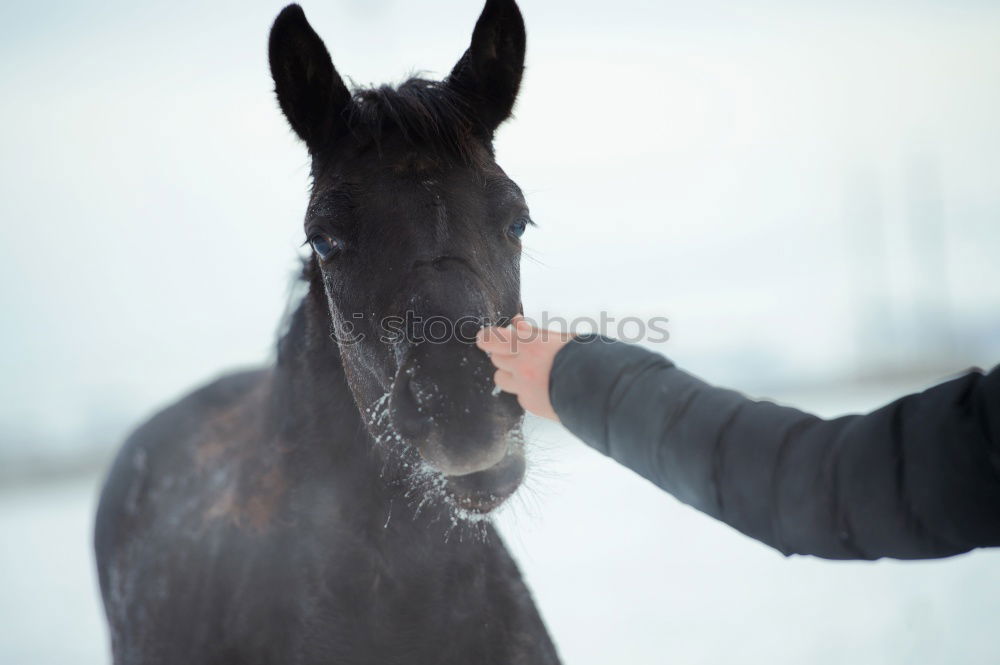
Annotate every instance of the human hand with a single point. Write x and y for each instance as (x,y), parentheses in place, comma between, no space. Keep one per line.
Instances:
(523,356)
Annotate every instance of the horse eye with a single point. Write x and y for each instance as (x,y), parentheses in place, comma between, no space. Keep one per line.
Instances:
(518,228)
(325,247)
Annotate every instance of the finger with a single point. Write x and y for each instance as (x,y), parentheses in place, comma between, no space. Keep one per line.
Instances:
(505,361)
(493,346)
(494,333)
(504,380)
(495,340)
(527,333)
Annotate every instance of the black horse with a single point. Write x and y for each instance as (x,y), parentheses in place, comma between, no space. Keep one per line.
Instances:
(332,508)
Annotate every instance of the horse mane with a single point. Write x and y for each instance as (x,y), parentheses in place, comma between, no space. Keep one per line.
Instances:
(429,115)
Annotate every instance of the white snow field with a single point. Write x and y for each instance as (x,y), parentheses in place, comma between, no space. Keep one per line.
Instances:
(622,572)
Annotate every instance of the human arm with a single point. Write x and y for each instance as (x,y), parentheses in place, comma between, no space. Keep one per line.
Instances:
(918,478)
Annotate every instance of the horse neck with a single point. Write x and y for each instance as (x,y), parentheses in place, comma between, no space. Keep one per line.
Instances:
(313,408)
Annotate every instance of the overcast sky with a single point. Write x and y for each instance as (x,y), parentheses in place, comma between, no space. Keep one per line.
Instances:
(749,170)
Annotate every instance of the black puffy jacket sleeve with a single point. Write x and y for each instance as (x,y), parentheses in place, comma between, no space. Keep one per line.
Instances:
(919,478)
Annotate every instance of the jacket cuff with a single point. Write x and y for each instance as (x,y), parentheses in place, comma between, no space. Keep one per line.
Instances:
(585,378)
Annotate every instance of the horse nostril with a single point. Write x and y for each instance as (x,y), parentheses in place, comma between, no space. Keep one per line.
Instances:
(425,393)
(410,413)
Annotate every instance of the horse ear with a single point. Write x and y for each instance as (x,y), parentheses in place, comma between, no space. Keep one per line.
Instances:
(489,74)
(310,91)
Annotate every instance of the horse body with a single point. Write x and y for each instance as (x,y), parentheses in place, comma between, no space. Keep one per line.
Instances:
(236,527)
(334,507)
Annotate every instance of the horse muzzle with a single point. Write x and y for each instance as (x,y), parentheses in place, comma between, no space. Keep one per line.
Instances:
(444,404)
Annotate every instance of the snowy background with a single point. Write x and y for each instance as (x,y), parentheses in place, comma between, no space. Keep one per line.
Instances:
(810,191)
